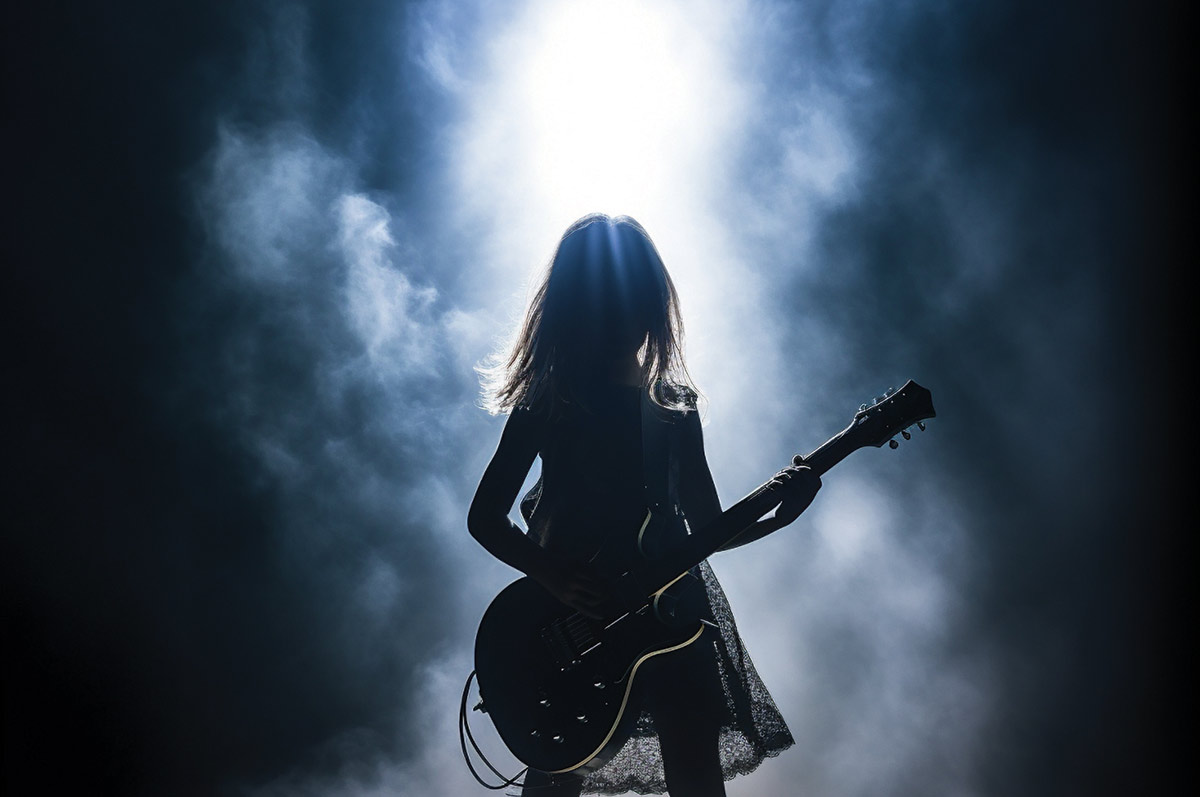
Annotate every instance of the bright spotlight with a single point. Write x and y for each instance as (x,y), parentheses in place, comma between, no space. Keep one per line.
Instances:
(609,95)
(618,107)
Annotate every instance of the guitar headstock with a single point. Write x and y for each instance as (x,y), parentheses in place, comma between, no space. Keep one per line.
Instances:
(891,414)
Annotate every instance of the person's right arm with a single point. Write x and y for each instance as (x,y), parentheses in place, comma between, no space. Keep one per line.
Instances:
(572,583)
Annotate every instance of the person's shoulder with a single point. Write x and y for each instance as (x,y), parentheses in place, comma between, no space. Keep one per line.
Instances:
(529,413)
(681,398)
(527,418)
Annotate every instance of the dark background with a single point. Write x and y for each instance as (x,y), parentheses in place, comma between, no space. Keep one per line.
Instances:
(153,643)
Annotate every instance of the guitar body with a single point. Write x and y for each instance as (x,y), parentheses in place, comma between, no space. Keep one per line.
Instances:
(557,684)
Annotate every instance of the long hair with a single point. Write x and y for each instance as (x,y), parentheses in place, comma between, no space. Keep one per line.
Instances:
(605,295)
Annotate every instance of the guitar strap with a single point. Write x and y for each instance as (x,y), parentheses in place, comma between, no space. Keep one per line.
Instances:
(655,456)
(660,472)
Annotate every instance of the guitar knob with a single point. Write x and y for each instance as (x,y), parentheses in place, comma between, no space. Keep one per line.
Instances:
(582,718)
(544,703)
(921,425)
(535,734)
(599,684)
(556,739)
(893,444)
(906,435)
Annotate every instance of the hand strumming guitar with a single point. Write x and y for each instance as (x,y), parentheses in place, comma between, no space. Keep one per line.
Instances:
(574,583)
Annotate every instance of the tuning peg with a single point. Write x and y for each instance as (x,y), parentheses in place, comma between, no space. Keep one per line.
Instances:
(905,434)
(921,425)
(862,407)
(889,392)
(893,444)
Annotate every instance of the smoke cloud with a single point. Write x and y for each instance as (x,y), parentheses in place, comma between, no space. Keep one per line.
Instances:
(240,563)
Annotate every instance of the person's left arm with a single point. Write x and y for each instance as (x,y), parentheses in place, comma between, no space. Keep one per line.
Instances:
(799,485)
(698,493)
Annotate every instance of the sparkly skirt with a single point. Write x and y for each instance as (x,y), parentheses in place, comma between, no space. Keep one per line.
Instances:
(717,674)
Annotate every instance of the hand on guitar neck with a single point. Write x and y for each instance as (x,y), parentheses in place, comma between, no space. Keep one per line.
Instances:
(797,486)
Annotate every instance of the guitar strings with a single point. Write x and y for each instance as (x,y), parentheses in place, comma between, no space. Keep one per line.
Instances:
(578,630)
(582,626)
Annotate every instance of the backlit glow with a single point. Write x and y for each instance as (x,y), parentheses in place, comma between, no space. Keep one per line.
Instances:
(615,107)
(609,106)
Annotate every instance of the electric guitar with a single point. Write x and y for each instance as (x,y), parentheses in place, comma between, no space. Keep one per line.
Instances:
(556,683)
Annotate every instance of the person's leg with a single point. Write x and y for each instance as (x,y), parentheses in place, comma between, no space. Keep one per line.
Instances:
(683,692)
(689,750)
(539,784)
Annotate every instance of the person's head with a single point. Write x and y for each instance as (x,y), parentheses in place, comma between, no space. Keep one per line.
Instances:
(605,299)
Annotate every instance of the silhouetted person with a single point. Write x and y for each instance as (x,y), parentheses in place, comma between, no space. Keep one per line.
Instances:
(599,347)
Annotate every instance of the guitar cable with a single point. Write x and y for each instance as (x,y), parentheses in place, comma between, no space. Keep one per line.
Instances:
(464,733)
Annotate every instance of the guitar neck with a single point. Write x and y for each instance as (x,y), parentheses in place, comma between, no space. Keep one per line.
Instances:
(733,521)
